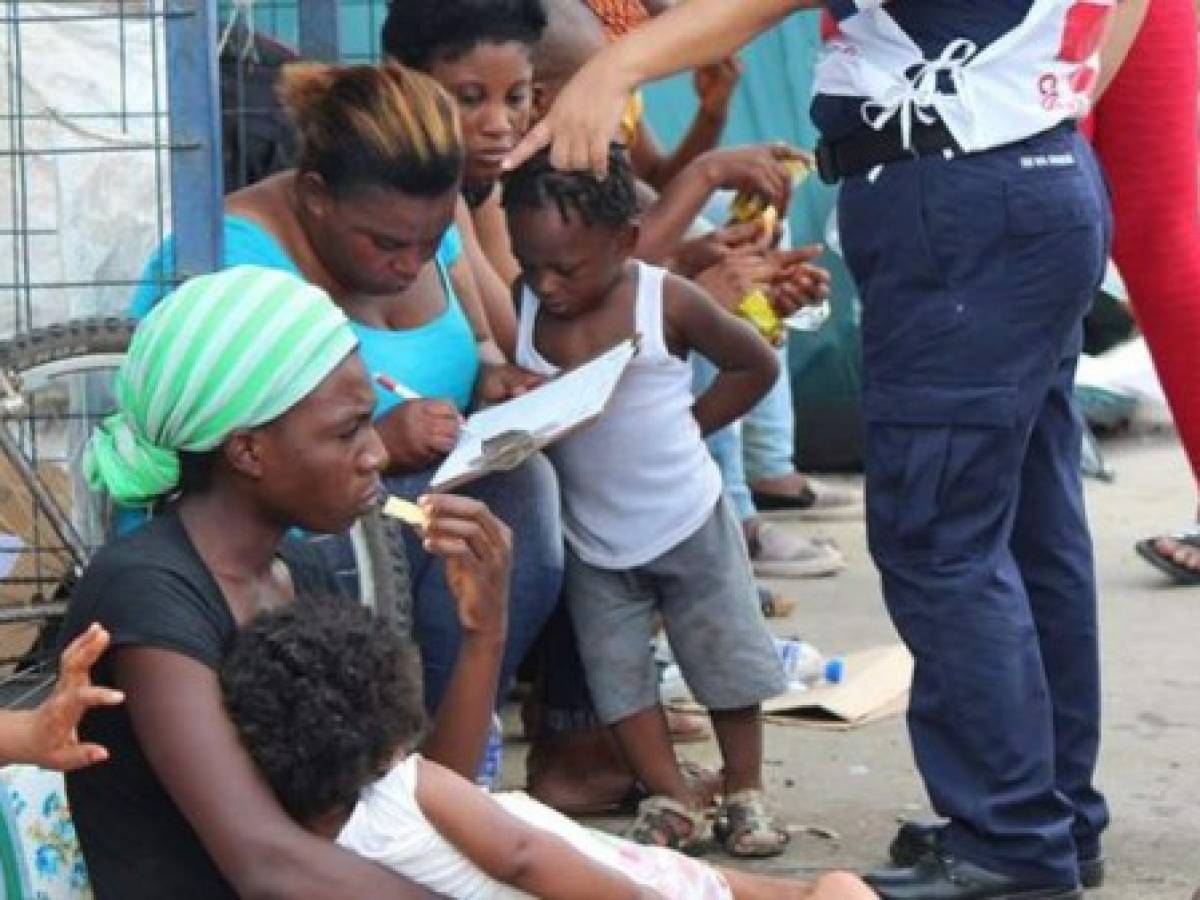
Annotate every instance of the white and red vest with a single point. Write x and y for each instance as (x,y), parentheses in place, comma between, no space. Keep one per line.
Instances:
(1025,82)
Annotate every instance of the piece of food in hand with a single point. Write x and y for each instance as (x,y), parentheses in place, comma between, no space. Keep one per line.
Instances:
(768,220)
(406,512)
(631,118)
(750,205)
(798,169)
(757,309)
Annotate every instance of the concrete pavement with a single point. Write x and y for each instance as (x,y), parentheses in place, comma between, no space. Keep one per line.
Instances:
(856,784)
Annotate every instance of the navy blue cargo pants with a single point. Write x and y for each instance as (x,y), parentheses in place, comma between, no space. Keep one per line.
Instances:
(975,274)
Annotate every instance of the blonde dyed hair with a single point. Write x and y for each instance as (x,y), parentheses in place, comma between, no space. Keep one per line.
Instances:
(366,126)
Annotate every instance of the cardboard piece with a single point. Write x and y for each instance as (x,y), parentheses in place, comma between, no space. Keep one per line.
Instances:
(875,686)
(22,526)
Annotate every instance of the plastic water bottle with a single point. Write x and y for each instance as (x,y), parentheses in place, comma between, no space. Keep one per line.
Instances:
(488,776)
(809,318)
(805,665)
(672,687)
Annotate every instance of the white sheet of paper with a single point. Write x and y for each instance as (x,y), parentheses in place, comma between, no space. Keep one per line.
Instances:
(547,413)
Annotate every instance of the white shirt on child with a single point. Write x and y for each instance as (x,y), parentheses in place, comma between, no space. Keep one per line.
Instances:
(388,827)
(639,481)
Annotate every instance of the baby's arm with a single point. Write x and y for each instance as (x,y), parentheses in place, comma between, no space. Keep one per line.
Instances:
(512,851)
(47,736)
(747,365)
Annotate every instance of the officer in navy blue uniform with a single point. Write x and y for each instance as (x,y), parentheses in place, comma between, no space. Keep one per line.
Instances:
(975,272)
(976,258)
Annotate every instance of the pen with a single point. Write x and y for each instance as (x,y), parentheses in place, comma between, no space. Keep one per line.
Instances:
(391,384)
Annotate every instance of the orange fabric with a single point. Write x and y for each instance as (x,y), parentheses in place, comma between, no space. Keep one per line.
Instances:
(619,16)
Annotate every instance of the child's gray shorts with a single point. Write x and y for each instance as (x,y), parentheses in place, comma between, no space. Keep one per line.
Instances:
(705,590)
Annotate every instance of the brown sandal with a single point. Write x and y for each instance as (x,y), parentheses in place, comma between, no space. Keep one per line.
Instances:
(746,829)
(663,822)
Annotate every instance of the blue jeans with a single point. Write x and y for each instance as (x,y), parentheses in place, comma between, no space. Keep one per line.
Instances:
(769,430)
(525,499)
(759,445)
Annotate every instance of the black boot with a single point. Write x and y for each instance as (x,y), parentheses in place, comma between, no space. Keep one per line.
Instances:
(938,876)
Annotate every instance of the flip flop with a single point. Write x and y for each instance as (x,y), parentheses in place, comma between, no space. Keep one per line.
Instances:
(1148,550)
(815,502)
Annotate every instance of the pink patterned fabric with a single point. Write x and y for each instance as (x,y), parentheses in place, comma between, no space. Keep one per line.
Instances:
(671,874)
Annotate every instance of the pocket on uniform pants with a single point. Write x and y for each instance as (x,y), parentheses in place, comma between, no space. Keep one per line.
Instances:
(1056,244)
(941,462)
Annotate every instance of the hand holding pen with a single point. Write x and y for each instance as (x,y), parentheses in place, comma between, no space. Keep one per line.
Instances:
(408,395)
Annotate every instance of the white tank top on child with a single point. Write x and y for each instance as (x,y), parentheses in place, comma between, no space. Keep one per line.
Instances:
(639,481)
(389,827)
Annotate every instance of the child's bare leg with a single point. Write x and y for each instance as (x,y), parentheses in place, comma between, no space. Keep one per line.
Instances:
(739,734)
(646,743)
(832,886)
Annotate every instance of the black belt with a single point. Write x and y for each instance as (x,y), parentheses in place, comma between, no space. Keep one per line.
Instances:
(867,148)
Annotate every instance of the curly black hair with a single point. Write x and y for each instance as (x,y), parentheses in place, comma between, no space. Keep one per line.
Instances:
(611,200)
(417,32)
(323,694)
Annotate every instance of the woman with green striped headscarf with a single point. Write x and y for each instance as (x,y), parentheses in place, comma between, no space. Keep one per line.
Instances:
(269,338)
(243,405)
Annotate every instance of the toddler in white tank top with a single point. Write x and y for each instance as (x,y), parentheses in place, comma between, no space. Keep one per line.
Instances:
(648,533)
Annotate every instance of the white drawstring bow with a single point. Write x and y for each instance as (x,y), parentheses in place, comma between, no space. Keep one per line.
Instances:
(915,96)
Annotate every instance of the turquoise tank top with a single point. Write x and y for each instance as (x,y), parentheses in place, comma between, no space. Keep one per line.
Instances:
(438,359)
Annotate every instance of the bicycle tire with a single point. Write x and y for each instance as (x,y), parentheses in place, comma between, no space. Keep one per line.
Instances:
(387,583)
(99,342)
(103,336)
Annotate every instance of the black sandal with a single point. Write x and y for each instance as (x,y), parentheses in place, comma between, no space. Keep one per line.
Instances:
(1148,550)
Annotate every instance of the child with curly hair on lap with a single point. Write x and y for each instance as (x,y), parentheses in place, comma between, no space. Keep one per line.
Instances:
(327,700)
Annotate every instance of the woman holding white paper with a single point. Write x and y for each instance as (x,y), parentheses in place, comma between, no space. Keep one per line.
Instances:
(367,215)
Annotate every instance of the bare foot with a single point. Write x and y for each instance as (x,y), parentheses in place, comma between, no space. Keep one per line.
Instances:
(1185,555)
(831,886)
(580,773)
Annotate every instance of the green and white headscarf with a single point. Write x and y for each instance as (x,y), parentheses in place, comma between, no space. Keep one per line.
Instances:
(226,351)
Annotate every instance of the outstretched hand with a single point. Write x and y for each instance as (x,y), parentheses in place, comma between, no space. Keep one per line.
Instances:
(714,85)
(788,277)
(796,282)
(761,169)
(51,739)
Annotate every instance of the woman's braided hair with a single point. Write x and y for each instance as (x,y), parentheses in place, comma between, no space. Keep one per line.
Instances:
(611,200)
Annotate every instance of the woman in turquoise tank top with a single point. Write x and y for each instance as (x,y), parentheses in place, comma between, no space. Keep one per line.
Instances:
(367,215)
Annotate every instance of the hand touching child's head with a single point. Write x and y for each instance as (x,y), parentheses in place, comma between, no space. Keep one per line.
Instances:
(611,200)
(323,694)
